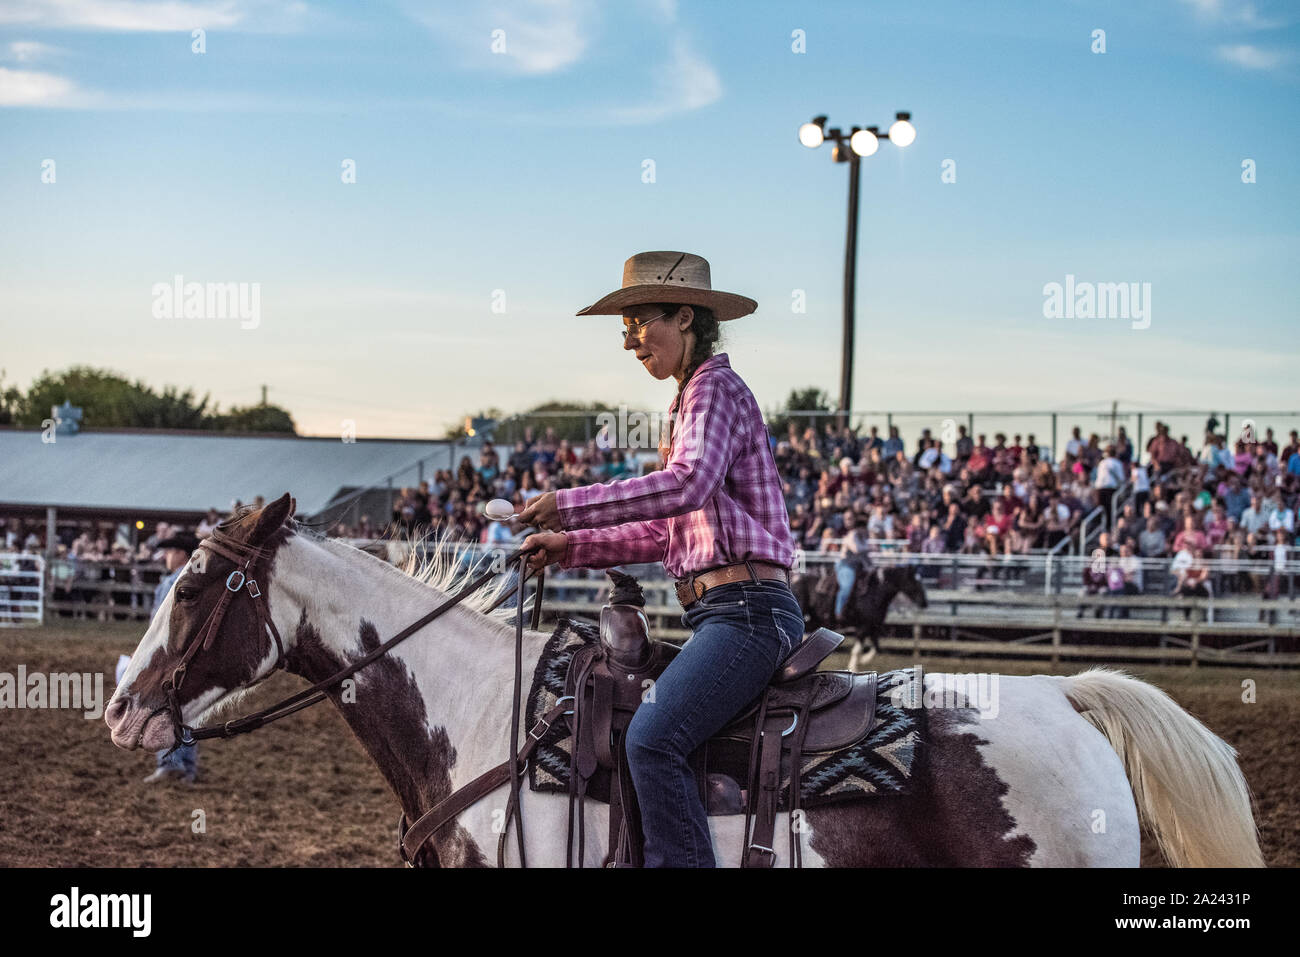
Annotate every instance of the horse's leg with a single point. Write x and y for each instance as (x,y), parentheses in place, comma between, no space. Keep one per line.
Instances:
(855,654)
(871,652)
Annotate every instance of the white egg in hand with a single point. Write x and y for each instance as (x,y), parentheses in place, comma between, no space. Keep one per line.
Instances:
(499,510)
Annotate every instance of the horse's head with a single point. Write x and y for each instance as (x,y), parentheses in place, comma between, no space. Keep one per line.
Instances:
(209,640)
(907,579)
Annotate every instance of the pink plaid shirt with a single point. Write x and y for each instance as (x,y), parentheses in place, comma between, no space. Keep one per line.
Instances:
(717,501)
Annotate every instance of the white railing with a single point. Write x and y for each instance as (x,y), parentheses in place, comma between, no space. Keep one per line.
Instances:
(1083,528)
(1052,555)
(22,589)
(1017,572)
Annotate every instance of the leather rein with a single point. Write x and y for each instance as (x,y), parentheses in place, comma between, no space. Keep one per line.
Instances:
(249,559)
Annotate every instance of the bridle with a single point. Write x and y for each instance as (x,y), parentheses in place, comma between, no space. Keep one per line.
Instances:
(251,561)
(248,559)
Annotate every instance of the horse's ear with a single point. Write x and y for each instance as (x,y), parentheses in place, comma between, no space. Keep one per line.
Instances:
(270,518)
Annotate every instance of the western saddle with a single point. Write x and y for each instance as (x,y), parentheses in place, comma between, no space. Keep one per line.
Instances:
(751,766)
(741,769)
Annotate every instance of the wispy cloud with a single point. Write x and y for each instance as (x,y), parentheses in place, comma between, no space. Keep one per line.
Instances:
(541,37)
(1240,13)
(1250,57)
(536,37)
(686,82)
(31,88)
(29,51)
(149,16)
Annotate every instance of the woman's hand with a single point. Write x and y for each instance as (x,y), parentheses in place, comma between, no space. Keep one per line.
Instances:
(542,512)
(552,549)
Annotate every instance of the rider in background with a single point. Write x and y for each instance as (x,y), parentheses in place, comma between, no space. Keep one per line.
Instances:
(716,518)
(184,761)
(855,557)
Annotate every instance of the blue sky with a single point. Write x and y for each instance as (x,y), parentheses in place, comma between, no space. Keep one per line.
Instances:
(522,171)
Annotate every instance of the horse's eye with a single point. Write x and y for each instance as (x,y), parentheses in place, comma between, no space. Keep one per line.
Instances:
(187,593)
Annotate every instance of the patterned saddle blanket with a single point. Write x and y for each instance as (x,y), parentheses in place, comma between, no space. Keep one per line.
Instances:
(880,763)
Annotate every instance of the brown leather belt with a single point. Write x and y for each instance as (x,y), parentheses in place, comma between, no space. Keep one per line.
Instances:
(692,589)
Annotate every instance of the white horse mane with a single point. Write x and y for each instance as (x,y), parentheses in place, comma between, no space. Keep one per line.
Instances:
(425,558)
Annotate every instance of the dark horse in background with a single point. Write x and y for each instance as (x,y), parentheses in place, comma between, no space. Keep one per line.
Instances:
(874,588)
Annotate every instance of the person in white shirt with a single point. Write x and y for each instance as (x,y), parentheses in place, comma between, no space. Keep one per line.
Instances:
(1110,471)
(1281,518)
(1255,516)
(933,456)
(1209,451)
(1110,476)
(1141,480)
(1280,554)
(1076,444)
(880,525)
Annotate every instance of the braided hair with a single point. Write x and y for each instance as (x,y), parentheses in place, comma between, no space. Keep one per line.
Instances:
(705,325)
(707,332)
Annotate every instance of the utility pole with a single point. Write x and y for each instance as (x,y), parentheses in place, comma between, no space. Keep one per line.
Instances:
(849,148)
(263,395)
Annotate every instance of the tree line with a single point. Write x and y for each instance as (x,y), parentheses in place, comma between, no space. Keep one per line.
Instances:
(575,420)
(109,400)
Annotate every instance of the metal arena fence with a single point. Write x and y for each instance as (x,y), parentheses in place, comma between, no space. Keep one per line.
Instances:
(22,591)
(1032,605)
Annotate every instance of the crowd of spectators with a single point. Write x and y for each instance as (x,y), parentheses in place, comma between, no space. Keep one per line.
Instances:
(865,492)
(100,542)
(846,489)
(452,503)
(1230,500)
(1012,495)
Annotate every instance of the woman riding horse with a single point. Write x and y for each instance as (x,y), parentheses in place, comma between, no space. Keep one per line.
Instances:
(714,515)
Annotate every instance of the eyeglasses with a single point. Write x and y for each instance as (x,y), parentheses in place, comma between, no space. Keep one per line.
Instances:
(636,327)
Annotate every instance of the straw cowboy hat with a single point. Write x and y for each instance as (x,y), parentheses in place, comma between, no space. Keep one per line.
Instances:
(670,277)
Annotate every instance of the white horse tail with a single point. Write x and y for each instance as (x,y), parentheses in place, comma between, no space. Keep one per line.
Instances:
(1190,793)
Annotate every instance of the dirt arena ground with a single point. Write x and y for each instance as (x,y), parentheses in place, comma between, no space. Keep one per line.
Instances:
(301,792)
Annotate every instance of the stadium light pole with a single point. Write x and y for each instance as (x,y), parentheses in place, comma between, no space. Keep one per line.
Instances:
(850,148)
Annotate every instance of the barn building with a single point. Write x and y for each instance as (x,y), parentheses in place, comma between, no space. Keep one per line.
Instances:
(130,476)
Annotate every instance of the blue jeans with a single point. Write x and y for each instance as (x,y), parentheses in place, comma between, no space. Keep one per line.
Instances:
(845,574)
(742,632)
(184,759)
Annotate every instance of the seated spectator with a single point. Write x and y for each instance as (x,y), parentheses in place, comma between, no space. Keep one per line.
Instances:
(980,463)
(1236,498)
(1216,524)
(521,458)
(964,445)
(1005,459)
(974,506)
(881,524)
(1280,518)
(209,523)
(1191,575)
(954,528)
(1191,538)
(934,457)
(996,525)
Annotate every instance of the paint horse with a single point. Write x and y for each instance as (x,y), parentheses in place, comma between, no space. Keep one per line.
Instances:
(874,590)
(1045,771)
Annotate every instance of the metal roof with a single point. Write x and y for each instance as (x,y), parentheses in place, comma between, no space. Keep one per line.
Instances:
(186,471)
